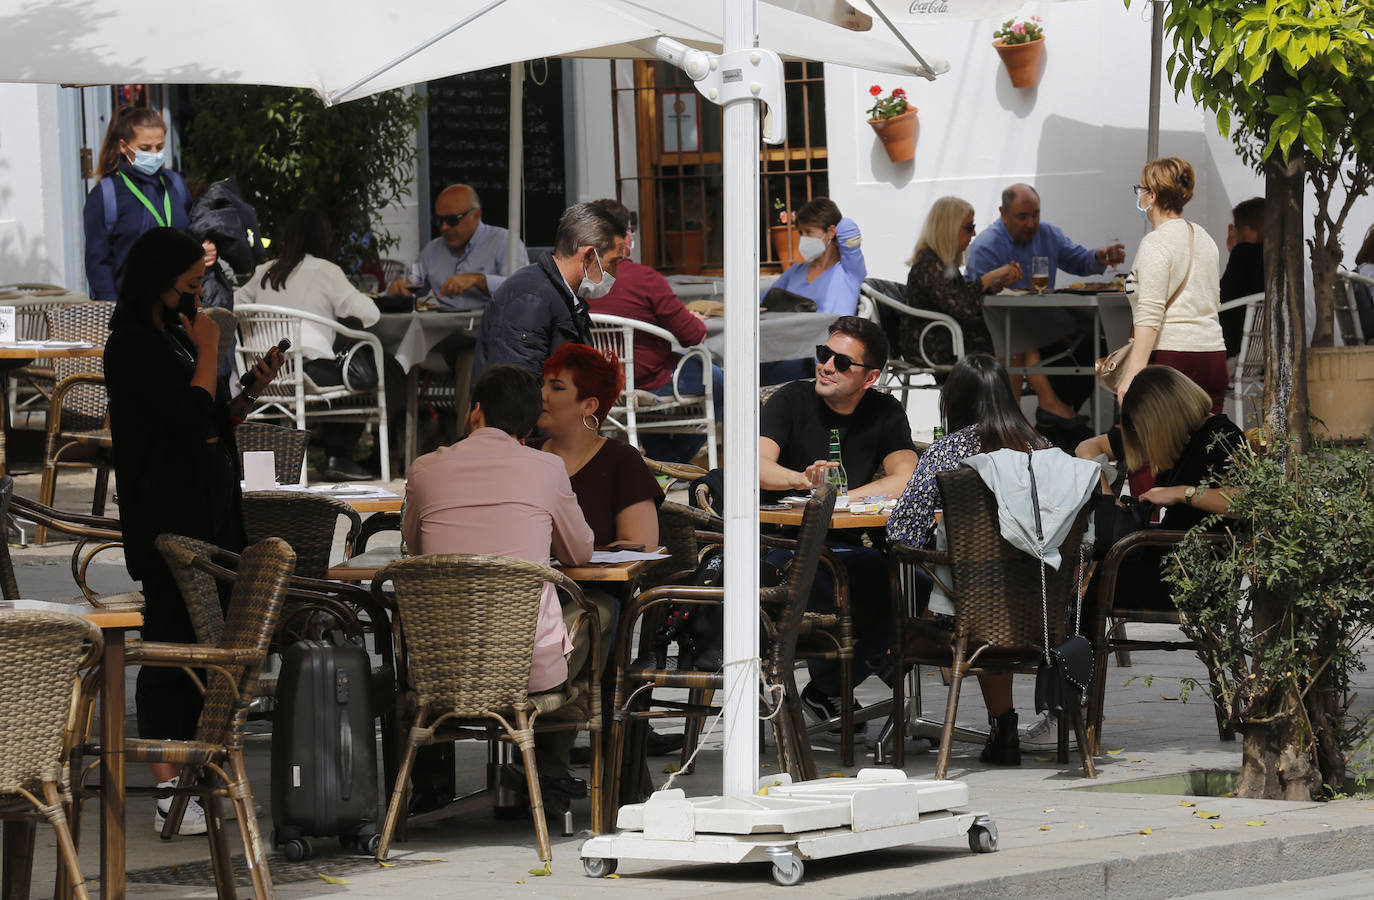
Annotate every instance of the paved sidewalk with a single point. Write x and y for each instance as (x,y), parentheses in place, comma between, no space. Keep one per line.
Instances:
(1056,840)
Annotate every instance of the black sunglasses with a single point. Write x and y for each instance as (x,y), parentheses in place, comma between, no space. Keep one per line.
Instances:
(451,221)
(842,362)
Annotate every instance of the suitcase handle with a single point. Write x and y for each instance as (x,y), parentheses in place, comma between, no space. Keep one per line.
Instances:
(345,737)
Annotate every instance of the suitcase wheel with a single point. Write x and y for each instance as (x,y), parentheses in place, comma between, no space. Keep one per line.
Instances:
(297,850)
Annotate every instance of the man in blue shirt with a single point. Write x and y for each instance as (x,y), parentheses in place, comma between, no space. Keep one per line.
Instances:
(465,264)
(1020,236)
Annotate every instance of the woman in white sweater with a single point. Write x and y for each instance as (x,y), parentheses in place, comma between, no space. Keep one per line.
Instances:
(1178,259)
(301,277)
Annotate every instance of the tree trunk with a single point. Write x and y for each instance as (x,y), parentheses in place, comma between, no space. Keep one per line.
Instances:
(1326,256)
(1285,383)
(1274,764)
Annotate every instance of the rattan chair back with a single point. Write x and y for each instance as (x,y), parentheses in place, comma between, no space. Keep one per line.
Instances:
(259,589)
(468,625)
(288,446)
(41,656)
(198,588)
(83,407)
(305,521)
(9,585)
(677,531)
(997,586)
(801,574)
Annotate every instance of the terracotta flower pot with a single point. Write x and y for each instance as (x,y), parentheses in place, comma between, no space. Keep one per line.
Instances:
(785,239)
(898,135)
(686,249)
(1022,61)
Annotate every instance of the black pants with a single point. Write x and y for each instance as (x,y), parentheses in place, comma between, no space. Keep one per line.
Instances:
(166,699)
(339,438)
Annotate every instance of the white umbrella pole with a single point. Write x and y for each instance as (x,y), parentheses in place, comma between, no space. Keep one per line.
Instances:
(1158,11)
(515,165)
(741,163)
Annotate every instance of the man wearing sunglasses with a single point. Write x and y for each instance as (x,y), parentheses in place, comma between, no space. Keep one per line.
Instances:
(794,450)
(465,264)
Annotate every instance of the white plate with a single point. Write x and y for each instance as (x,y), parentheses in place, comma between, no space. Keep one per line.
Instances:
(350,490)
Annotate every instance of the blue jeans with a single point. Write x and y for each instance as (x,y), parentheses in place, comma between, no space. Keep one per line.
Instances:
(684,447)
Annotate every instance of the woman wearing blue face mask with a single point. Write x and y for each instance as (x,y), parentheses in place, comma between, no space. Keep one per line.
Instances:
(833,267)
(135,194)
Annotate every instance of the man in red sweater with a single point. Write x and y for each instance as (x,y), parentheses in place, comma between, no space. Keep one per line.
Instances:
(641,293)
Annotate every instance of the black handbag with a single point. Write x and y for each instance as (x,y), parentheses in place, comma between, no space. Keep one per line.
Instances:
(361,374)
(780,300)
(1114,518)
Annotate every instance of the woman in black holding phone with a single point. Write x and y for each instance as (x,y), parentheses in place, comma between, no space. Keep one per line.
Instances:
(176,465)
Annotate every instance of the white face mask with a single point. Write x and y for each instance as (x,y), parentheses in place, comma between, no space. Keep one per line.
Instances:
(594,290)
(810,247)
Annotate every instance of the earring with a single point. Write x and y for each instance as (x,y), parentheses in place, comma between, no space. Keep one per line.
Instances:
(593,427)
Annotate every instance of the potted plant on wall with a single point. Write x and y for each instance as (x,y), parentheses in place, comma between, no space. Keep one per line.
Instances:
(1021,44)
(784,234)
(893,120)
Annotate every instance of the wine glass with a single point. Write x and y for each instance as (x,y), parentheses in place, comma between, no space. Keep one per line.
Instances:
(1040,273)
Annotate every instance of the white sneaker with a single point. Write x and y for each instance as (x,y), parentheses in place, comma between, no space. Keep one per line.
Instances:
(1042,735)
(193,822)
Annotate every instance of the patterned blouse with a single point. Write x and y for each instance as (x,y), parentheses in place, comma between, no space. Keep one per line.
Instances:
(930,285)
(913,519)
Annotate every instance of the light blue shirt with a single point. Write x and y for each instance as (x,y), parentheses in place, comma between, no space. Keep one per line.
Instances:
(484,253)
(994,248)
(837,290)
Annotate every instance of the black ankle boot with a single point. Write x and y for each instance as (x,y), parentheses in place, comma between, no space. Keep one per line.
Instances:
(1004,741)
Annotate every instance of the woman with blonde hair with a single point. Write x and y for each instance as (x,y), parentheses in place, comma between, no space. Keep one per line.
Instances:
(1177,298)
(935,283)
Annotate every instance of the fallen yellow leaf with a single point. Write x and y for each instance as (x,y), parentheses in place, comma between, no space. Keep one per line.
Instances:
(836,775)
(671,768)
(1216,824)
(1147,830)
(330,879)
(1162,697)
(1186,803)
(1116,752)
(432,859)
(763,791)
(519,881)
(612,875)
(386,865)
(1042,759)
(546,870)
(1256,823)
(1204,814)
(1044,828)
(1051,809)
(1137,759)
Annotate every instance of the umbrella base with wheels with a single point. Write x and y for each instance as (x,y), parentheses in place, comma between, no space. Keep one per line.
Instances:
(786,824)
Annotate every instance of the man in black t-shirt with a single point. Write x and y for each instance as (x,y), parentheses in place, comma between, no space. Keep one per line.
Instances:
(1244,273)
(794,450)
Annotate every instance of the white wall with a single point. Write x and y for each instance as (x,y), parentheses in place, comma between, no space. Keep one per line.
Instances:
(31,243)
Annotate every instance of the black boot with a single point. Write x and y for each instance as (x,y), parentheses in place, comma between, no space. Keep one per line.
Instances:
(1004,741)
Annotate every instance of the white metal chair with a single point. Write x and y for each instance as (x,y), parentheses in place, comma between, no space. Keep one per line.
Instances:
(293,396)
(1348,314)
(641,411)
(1248,379)
(901,373)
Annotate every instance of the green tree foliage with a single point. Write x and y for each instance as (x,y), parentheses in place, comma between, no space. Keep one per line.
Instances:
(290,151)
(1303,532)
(1286,75)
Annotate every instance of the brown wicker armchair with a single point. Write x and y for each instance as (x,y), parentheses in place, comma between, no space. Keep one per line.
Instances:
(288,446)
(1108,630)
(467,623)
(781,610)
(232,667)
(999,616)
(305,521)
(78,418)
(42,657)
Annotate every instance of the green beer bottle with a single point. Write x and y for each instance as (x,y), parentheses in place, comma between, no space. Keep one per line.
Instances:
(837,476)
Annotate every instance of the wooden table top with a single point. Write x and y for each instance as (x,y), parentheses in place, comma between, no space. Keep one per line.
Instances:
(841,519)
(14,351)
(365,566)
(103,618)
(363,504)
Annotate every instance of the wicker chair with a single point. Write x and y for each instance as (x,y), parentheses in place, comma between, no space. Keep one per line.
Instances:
(78,417)
(288,446)
(781,610)
(996,592)
(305,521)
(1109,625)
(42,657)
(468,626)
(376,524)
(233,667)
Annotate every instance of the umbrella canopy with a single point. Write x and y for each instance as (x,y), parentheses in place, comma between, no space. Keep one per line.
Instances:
(338,56)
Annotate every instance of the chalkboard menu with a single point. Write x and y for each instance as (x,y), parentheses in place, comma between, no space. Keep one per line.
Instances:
(469,143)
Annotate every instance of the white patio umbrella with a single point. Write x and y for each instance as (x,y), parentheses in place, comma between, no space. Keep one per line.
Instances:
(257,42)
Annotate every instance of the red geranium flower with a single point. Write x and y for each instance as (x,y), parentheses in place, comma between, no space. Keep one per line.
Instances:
(875,90)
(899,92)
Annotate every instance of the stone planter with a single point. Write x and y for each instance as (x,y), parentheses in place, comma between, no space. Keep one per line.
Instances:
(785,239)
(898,135)
(1340,391)
(1022,61)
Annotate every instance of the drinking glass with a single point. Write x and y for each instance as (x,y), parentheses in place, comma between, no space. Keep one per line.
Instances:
(1040,273)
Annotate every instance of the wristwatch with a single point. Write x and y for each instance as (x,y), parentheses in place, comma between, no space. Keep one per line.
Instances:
(1189,493)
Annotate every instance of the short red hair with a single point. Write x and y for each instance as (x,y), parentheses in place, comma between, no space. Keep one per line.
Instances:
(594,374)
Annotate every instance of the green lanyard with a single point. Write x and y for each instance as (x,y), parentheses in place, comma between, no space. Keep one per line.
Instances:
(166,201)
